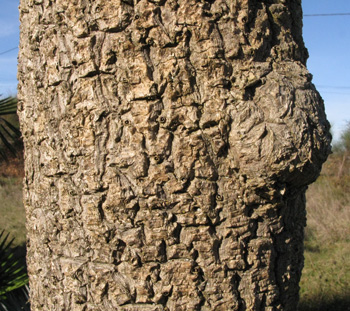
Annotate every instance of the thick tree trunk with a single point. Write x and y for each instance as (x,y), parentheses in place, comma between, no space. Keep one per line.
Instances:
(168,146)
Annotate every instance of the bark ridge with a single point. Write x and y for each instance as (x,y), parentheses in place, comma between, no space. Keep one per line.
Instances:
(168,145)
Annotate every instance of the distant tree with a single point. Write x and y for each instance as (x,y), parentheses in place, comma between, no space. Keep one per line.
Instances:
(341,149)
(343,145)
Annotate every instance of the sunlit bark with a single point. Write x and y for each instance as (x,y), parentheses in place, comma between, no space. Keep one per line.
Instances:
(168,146)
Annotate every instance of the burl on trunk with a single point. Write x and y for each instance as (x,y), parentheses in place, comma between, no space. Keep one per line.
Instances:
(168,147)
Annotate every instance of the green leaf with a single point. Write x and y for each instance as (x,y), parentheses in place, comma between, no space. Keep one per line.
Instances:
(9,134)
(12,271)
(8,105)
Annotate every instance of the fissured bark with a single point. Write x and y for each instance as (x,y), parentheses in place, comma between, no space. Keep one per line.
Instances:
(168,147)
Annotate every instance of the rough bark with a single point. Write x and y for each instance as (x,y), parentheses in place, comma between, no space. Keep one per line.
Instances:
(168,147)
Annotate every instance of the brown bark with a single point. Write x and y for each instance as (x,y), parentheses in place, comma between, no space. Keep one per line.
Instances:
(168,146)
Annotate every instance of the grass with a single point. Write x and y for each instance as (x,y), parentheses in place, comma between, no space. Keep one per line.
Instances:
(325,283)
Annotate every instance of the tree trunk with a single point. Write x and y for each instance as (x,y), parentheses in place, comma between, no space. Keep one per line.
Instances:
(168,147)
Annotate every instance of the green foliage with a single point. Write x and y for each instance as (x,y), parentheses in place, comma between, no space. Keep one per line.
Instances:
(9,133)
(13,278)
(17,300)
(12,270)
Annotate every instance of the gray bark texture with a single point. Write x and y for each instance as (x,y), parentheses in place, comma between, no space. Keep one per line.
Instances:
(168,147)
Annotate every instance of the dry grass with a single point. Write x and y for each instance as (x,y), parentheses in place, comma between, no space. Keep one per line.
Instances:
(325,284)
(328,209)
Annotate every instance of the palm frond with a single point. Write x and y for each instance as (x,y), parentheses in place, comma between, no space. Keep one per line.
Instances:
(8,105)
(17,300)
(9,134)
(12,271)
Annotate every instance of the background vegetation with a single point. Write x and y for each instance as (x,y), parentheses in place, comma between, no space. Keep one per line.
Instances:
(325,284)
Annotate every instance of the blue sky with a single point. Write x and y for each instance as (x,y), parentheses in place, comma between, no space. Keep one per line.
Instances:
(327,39)
(9,36)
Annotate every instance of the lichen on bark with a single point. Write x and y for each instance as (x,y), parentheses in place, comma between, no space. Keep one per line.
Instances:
(168,147)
